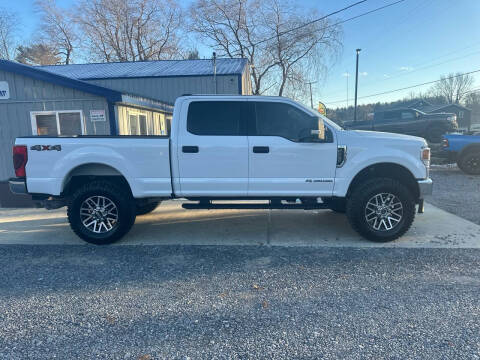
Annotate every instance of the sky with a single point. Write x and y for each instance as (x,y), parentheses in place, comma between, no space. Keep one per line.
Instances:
(409,43)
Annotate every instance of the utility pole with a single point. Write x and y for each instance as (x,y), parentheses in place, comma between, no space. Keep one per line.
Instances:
(311,96)
(214,72)
(356,88)
(347,76)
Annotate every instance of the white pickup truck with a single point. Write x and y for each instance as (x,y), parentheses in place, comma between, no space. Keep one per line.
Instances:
(229,148)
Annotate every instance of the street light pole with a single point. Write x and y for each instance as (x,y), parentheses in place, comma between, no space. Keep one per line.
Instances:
(356,88)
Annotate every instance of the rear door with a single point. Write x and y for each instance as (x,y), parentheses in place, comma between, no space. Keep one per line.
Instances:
(284,159)
(212,149)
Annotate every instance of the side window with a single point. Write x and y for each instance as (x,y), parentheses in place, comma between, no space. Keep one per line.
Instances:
(215,118)
(407,115)
(287,121)
(390,115)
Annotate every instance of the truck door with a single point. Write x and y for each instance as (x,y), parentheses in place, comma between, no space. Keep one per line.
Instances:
(212,150)
(284,158)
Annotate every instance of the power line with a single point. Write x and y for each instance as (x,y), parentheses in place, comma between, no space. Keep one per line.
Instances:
(407,87)
(311,22)
(366,13)
(415,69)
(418,66)
(333,13)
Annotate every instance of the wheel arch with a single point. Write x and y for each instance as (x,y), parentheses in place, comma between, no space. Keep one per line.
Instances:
(92,171)
(468,148)
(387,170)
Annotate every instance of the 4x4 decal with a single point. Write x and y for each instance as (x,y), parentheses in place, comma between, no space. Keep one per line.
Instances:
(46,147)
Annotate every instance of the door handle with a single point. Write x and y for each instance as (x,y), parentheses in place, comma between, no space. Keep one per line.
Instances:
(190,149)
(261,149)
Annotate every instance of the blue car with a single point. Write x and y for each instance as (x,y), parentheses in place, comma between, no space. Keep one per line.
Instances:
(464,150)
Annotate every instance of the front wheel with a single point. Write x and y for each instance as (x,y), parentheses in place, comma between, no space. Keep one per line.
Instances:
(101,212)
(434,134)
(336,204)
(381,209)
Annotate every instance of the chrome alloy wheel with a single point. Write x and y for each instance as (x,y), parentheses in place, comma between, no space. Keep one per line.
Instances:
(383,211)
(99,214)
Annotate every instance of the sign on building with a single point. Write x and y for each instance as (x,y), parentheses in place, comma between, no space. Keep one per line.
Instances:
(4,91)
(97,115)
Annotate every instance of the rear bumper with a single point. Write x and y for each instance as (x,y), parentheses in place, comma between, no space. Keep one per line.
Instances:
(18,186)
(425,187)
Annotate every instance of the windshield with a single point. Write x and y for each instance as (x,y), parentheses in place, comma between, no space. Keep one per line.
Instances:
(325,119)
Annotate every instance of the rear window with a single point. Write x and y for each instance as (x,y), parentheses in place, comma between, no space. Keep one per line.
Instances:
(215,118)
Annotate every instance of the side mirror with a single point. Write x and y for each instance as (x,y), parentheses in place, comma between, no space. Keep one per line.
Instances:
(320,132)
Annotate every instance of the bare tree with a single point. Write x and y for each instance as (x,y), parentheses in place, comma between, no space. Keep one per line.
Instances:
(37,54)
(130,30)
(299,53)
(57,29)
(8,31)
(259,30)
(453,88)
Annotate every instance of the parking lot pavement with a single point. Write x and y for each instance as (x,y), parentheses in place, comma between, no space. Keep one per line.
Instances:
(172,225)
(456,192)
(230,302)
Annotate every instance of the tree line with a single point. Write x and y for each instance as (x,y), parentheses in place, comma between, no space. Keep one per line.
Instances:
(282,60)
(454,88)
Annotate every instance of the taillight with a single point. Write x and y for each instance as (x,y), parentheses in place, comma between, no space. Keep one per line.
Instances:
(20,158)
(425,156)
(445,143)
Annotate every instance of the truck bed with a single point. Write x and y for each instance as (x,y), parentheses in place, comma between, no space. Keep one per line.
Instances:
(144,161)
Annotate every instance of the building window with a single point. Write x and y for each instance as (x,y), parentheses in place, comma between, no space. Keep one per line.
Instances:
(159,124)
(70,122)
(138,122)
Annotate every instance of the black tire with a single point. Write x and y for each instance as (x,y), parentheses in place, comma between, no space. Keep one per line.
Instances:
(124,212)
(338,205)
(148,208)
(357,209)
(434,134)
(469,162)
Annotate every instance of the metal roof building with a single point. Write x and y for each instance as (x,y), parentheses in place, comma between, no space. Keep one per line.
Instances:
(164,80)
(130,98)
(36,102)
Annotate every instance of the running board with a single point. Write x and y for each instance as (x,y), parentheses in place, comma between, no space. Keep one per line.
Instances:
(244,206)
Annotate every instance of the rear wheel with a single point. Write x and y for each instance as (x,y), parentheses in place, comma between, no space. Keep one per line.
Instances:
(101,212)
(148,208)
(470,162)
(381,209)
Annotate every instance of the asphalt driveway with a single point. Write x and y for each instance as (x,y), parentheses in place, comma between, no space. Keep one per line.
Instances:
(456,192)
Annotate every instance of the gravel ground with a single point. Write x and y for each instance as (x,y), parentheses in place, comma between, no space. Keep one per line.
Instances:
(149,302)
(456,192)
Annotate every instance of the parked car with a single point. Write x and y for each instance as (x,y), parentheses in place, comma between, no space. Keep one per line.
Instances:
(464,150)
(410,122)
(229,148)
